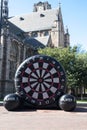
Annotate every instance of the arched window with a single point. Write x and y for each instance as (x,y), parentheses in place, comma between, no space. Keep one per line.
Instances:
(46,33)
(13,59)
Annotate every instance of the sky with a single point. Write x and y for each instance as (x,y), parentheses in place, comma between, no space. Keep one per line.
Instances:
(74,14)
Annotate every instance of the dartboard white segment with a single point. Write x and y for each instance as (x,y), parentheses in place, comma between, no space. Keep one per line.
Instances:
(24,79)
(38,87)
(36,65)
(34,75)
(48,80)
(53,89)
(56,80)
(27,89)
(45,95)
(34,84)
(28,71)
(45,65)
(35,95)
(47,75)
(32,80)
(43,72)
(46,84)
(42,88)
(38,72)
(53,71)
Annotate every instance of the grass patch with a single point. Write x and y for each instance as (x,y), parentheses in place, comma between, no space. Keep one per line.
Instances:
(84,100)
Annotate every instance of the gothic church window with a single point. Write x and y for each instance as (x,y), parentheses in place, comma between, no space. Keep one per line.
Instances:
(34,34)
(46,33)
(13,59)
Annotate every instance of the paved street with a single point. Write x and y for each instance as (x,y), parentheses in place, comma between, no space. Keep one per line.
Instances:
(44,119)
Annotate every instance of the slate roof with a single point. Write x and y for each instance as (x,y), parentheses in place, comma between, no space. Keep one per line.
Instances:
(34,43)
(35,21)
(14,29)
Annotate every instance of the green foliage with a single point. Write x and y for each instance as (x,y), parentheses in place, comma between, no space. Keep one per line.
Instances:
(81,70)
(74,63)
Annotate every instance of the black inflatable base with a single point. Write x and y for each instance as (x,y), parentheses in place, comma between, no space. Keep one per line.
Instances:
(67,102)
(12,102)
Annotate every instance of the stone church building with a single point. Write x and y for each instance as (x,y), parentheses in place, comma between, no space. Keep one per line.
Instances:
(21,36)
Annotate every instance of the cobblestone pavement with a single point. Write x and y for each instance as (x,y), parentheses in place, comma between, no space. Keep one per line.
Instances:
(44,119)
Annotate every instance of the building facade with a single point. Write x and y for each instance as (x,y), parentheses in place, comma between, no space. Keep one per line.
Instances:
(21,36)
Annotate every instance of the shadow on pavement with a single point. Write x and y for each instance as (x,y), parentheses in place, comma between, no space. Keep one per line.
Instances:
(81,108)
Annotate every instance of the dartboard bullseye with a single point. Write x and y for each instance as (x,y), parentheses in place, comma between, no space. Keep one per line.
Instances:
(40,79)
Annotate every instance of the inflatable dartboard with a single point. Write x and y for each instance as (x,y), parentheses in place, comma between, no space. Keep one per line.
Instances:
(39,80)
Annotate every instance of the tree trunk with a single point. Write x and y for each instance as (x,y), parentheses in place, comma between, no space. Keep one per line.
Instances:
(81,92)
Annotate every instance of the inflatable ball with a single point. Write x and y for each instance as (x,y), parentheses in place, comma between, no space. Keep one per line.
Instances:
(67,102)
(11,101)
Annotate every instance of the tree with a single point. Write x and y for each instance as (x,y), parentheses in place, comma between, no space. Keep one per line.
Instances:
(81,72)
(66,56)
(74,63)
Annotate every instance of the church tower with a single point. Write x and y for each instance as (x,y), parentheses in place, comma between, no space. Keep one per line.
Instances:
(5,9)
(3,13)
(41,6)
(57,33)
(60,29)
(67,38)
